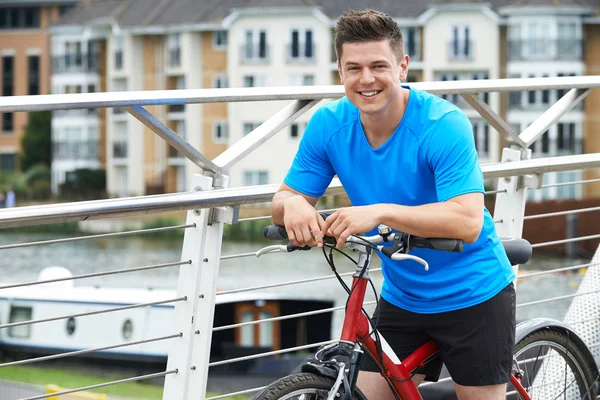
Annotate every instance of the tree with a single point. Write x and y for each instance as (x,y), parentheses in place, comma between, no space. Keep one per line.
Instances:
(36,142)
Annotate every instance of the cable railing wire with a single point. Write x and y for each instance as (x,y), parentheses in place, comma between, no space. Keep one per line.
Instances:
(101,385)
(570,183)
(289,283)
(85,314)
(568,296)
(86,351)
(97,274)
(565,269)
(271,353)
(558,213)
(265,217)
(99,236)
(284,317)
(577,239)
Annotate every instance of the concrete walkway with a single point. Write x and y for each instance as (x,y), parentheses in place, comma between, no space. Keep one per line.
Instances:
(17,391)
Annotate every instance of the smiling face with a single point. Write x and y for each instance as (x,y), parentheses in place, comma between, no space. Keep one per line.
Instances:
(371,74)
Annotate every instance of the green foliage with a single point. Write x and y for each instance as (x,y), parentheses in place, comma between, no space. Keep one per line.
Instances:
(84,184)
(36,142)
(33,184)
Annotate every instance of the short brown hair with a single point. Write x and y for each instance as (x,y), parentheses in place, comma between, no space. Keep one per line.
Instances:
(366,26)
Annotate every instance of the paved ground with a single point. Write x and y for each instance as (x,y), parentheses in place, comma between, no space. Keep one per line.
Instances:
(21,391)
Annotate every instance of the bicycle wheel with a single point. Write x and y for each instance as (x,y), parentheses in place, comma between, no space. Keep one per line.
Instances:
(302,386)
(553,367)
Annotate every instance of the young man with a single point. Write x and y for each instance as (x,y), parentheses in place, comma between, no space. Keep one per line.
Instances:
(407,160)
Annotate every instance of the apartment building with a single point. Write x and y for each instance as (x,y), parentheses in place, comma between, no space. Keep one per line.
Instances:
(155,44)
(25,66)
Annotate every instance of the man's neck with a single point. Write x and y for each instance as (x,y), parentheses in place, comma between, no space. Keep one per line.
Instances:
(380,126)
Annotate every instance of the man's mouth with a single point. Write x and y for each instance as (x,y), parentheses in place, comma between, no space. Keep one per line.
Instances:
(370,93)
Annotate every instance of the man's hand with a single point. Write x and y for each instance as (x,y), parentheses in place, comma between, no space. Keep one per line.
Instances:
(302,222)
(352,220)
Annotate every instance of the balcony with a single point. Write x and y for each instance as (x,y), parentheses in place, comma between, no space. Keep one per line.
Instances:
(301,54)
(86,150)
(461,50)
(545,50)
(92,112)
(75,63)
(254,54)
(120,149)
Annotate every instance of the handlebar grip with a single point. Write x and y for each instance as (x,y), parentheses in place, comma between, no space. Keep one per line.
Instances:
(275,232)
(453,245)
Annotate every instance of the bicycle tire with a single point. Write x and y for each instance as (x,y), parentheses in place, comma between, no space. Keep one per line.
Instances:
(301,384)
(553,367)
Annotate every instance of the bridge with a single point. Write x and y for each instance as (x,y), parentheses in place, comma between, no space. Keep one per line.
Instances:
(211,204)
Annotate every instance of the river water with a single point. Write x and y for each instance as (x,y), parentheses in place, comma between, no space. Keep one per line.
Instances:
(24,264)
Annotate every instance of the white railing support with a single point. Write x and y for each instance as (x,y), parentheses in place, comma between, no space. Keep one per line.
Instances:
(509,209)
(190,354)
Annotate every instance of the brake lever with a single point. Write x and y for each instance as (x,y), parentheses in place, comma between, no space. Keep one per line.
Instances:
(400,257)
(277,248)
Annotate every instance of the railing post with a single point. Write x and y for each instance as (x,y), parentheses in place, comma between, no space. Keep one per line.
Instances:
(509,210)
(194,317)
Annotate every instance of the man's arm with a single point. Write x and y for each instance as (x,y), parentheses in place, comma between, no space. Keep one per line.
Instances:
(458,218)
(296,211)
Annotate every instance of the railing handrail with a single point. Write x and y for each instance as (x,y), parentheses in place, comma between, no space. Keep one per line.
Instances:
(96,209)
(190,96)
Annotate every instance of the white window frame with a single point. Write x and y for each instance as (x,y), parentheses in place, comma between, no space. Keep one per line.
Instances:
(252,41)
(255,177)
(461,38)
(222,78)
(224,132)
(302,40)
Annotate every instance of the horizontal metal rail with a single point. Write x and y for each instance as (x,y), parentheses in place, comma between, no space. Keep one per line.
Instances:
(87,351)
(97,274)
(577,239)
(284,317)
(565,269)
(99,236)
(96,209)
(271,353)
(288,283)
(85,314)
(230,95)
(548,300)
(101,385)
(558,213)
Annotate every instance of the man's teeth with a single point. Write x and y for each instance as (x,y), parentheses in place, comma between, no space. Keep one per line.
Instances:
(369,94)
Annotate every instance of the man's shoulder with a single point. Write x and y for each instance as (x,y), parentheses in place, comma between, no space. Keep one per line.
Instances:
(340,112)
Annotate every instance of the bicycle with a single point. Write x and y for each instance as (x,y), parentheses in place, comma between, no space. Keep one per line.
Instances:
(543,346)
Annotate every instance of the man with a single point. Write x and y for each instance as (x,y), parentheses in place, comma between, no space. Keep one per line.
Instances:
(407,160)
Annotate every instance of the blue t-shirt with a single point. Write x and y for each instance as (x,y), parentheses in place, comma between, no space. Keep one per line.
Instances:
(429,158)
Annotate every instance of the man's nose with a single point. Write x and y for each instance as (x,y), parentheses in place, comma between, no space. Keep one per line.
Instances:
(366,75)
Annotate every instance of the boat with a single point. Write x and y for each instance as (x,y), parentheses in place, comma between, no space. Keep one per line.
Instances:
(56,299)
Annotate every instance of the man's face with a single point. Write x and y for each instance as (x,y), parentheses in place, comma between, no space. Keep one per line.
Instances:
(371,74)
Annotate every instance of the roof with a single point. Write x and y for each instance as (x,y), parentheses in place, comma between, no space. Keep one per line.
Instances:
(139,13)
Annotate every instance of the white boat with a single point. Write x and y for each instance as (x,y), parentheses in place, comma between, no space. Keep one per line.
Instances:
(57,299)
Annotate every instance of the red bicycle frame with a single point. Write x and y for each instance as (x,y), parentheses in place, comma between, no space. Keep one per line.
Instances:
(357,327)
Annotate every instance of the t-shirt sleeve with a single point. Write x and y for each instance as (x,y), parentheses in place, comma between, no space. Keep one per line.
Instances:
(453,158)
(311,172)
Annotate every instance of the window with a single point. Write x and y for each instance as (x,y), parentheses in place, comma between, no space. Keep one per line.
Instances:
(118,52)
(174,46)
(219,41)
(8,63)
(411,42)
(257,335)
(65,8)
(302,80)
(545,93)
(220,81)
(19,314)
(255,46)
(256,178)
(33,63)
(254,81)
(250,126)
(565,138)
(514,98)
(461,47)
(481,135)
(220,132)
(7,122)
(301,45)
(8,163)
(531,95)
(19,17)
(297,129)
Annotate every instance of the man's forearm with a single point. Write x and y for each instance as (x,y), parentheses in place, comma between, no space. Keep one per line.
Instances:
(277,210)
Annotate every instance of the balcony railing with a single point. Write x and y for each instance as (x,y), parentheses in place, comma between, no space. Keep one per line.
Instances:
(301,54)
(461,50)
(545,49)
(120,149)
(255,54)
(75,150)
(75,63)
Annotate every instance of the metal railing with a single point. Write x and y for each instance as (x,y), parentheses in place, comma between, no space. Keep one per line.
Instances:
(214,204)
